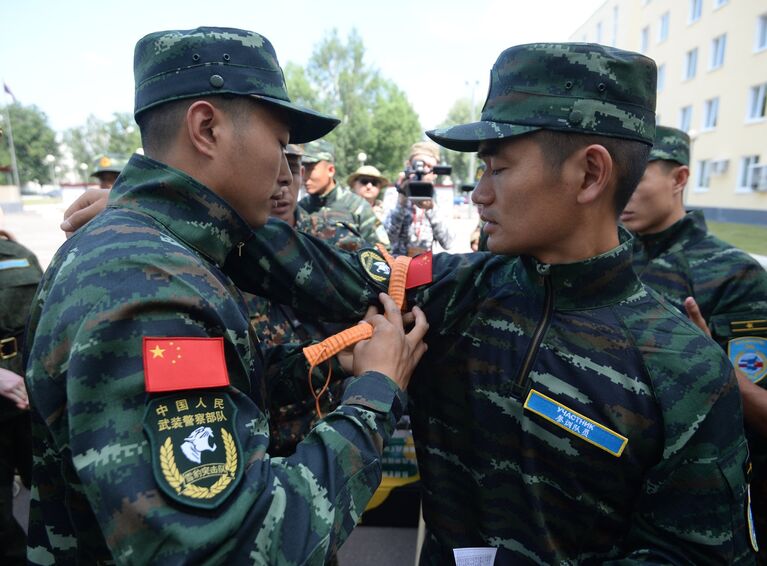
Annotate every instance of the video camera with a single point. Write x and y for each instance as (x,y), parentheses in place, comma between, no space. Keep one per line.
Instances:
(416,188)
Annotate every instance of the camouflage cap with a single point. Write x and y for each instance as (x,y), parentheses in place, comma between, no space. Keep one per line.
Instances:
(570,87)
(671,145)
(108,164)
(294,149)
(319,150)
(207,61)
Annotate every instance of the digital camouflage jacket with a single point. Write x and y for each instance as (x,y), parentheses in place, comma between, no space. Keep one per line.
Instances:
(562,413)
(277,324)
(340,198)
(731,289)
(183,475)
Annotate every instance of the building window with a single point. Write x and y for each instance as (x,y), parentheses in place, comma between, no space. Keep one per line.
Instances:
(661,77)
(644,39)
(696,7)
(690,64)
(685,118)
(710,113)
(746,176)
(599,32)
(718,45)
(757,102)
(615,25)
(663,28)
(761,32)
(703,178)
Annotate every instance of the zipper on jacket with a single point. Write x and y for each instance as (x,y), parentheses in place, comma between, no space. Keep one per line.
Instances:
(548,306)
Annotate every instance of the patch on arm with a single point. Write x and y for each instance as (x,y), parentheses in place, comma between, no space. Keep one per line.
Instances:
(749,355)
(374,265)
(196,455)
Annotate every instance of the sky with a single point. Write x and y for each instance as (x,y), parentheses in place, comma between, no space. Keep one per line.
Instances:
(72,58)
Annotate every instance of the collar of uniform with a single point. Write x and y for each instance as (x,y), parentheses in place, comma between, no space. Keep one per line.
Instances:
(591,283)
(320,201)
(186,207)
(691,228)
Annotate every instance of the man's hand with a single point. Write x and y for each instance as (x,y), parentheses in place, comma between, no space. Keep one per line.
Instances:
(391,351)
(694,314)
(426,204)
(84,209)
(12,387)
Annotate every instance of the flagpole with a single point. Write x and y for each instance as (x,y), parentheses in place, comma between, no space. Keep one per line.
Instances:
(12,148)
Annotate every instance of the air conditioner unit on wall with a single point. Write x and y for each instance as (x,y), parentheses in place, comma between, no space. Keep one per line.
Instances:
(719,166)
(758,174)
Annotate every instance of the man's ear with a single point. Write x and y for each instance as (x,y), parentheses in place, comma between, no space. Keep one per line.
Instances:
(331,169)
(597,170)
(203,126)
(680,176)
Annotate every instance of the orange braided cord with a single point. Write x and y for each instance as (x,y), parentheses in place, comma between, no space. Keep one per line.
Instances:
(398,277)
(318,353)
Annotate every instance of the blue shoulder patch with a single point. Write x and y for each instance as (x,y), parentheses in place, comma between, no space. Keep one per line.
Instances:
(575,423)
(749,355)
(13,263)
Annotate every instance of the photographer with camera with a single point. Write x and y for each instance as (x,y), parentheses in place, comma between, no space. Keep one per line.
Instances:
(414,223)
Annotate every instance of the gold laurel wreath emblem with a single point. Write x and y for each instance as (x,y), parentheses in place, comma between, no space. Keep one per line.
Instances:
(173,475)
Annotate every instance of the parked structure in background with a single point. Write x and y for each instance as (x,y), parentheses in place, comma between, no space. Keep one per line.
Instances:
(712,83)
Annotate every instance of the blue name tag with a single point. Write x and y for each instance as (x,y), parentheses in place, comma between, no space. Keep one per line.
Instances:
(575,423)
(13,263)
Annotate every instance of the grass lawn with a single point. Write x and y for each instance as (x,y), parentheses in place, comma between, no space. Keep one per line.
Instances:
(747,237)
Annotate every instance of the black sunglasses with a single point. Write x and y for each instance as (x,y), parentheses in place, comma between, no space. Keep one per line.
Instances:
(371,180)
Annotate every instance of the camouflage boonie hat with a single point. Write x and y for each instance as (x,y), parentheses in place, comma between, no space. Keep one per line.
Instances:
(319,150)
(176,64)
(108,164)
(569,87)
(671,145)
(294,149)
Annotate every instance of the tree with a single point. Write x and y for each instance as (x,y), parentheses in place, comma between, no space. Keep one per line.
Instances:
(460,113)
(395,127)
(376,116)
(33,138)
(118,136)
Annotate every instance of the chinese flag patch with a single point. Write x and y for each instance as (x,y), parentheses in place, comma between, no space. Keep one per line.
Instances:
(173,364)
(419,272)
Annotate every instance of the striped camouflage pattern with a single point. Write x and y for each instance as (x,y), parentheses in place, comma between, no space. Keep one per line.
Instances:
(344,200)
(670,144)
(730,288)
(207,61)
(276,325)
(570,87)
(495,474)
(149,266)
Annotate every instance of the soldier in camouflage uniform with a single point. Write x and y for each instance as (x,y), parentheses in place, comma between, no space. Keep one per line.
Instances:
(277,324)
(325,192)
(145,378)
(107,168)
(676,256)
(563,414)
(19,275)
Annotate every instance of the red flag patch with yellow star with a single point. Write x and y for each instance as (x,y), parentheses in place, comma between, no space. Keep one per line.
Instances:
(175,364)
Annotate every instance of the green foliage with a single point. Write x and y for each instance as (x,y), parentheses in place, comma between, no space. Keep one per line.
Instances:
(118,136)
(460,113)
(33,138)
(747,237)
(377,118)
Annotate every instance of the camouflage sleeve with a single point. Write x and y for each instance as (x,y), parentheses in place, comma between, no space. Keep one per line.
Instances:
(693,504)
(271,510)
(294,269)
